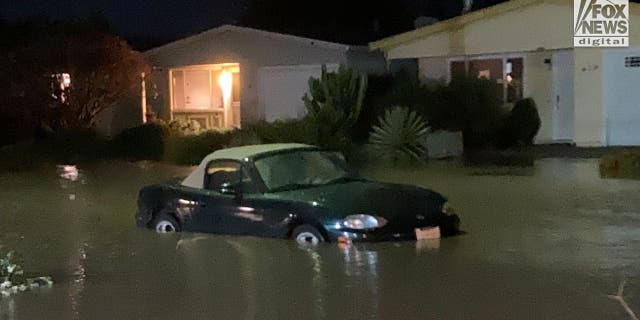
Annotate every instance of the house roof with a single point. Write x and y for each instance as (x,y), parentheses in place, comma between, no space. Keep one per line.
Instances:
(256,32)
(460,21)
(196,178)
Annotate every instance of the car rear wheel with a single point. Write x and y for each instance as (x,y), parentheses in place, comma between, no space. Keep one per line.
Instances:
(165,223)
(307,235)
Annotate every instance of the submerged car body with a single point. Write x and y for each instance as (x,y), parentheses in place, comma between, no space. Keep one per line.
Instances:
(290,190)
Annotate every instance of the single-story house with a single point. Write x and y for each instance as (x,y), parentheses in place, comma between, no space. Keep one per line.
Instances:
(232,75)
(586,96)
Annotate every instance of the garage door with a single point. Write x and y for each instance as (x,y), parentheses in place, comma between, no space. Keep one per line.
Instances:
(280,89)
(622,96)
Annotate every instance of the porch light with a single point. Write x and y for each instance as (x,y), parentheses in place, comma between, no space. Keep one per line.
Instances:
(66,80)
(226,83)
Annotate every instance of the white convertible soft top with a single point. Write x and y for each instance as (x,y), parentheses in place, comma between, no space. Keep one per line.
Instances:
(196,178)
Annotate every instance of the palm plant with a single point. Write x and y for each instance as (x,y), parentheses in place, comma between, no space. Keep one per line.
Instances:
(334,105)
(8,272)
(8,269)
(399,135)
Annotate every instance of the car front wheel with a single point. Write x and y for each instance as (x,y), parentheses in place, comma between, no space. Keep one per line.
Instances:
(165,223)
(307,235)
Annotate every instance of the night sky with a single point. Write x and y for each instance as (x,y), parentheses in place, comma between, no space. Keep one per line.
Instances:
(137,20)
(147,23)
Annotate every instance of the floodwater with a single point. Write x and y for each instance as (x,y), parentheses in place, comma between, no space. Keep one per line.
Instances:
(545,242)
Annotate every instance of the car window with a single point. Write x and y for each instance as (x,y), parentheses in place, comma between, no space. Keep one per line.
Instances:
(223,173)
(299,169)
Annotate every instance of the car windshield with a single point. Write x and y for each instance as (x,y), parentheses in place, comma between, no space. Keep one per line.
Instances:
(302,169)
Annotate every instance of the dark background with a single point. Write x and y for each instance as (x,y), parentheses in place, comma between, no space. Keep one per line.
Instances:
(148,23)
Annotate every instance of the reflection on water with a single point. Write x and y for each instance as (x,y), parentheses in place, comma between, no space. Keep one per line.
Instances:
(547,245)
(427,245)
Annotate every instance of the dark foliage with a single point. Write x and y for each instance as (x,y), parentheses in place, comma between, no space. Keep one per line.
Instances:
(189,150)
(522,124)
(383,91)
(398,136)
(104,70)
(146,142)
(470,105)
(284,131)
(333,105)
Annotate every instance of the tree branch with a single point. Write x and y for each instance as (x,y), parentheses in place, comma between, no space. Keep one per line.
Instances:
(620,298)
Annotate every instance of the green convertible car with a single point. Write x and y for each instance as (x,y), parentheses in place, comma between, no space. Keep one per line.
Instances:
(292,191)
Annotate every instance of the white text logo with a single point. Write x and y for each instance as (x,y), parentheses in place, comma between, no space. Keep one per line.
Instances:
(601,23)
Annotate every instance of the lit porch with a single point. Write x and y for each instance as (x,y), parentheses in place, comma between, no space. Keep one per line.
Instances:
(206,94)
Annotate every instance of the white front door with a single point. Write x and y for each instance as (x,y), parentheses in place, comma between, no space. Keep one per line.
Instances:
(563,99)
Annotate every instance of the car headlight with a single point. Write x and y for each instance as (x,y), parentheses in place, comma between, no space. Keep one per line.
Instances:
(363,221)
(447,209)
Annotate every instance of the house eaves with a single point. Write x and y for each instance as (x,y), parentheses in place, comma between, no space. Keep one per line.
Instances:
(457,22)
(257,32)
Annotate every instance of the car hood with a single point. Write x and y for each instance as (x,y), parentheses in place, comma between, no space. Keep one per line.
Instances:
(391,201)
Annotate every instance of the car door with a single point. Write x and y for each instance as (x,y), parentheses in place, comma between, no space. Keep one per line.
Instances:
(226,183)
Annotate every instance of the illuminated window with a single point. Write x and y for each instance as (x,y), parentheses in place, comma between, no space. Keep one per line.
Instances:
(506,73)
(201,89)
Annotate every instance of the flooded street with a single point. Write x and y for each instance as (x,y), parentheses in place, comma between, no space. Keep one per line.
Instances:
(546,242)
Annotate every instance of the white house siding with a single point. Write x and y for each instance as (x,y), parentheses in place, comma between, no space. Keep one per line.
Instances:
(252,49)
(621,97)
(543,26)
(538,78)
(534,28)
(249,50)
(281,90)
(589,114)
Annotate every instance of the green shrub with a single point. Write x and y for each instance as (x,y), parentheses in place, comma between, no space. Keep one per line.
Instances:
(334,106)
(470,105)
(145,142)
(399,134)
(284,131)
(522,124)
(191,149)
(402,89)
(185,127)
